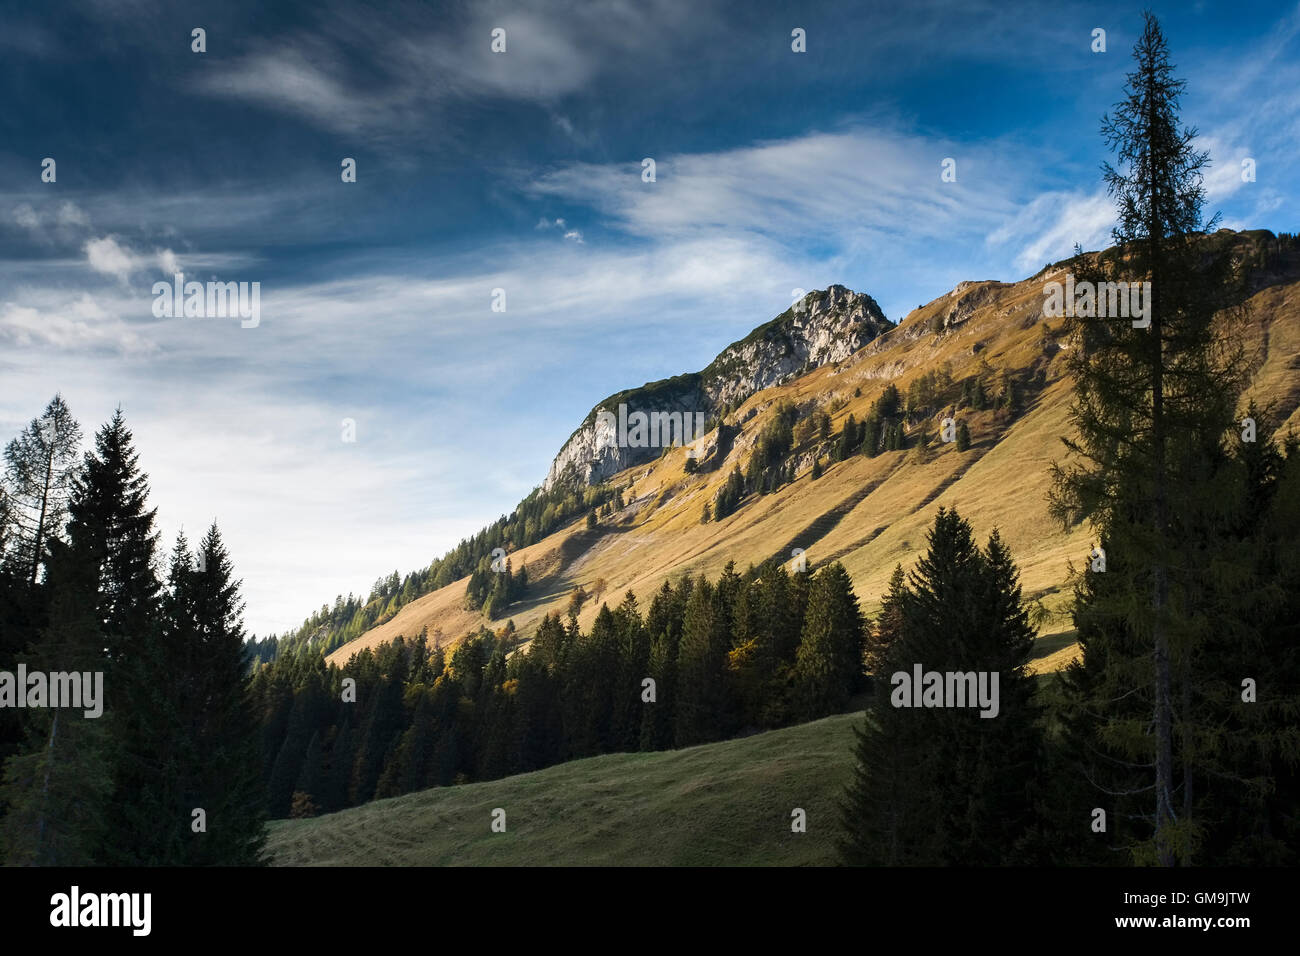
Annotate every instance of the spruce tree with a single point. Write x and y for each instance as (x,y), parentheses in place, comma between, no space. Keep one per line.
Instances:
(57,786)
(749,663)
(633,662)
(341,762)
(219,718)
(111,529)
(700,661)
(189,731)
(829,666)
(871,436)
(963,436)
(311,779)
(657,718)
(944,785)
(1152,403)
(110,523)
(889,624)
(538,730)
(664,622)
(151,819)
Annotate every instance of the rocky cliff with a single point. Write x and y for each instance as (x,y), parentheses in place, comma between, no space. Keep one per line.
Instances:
(821,328)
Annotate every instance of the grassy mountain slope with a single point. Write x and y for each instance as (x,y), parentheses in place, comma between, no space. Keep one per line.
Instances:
(727,802)
(869,513)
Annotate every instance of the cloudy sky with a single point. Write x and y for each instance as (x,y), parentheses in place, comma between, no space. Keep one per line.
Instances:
(522,171)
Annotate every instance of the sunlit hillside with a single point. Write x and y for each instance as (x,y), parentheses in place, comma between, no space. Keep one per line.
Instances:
(869,513)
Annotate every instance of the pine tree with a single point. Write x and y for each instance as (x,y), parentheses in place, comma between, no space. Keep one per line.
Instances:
(380,731)
(889,625)
(111,530)
(1151,407)
(7,518)
(664,621)
(829,667)
(848,439)
(589,689)
(341,763)
(189,736)
(109,523)
(945,785)
(58,784)
(749,663)
(538,729)
(871,436)
(633,661)
(700,660)
(963,436)
(219,718)
(311,781)
(39,465)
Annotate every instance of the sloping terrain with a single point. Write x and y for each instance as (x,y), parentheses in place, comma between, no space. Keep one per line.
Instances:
(727,803)
(869,513)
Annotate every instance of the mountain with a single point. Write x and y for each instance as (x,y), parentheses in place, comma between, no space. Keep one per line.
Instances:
(821,328)
(983,355)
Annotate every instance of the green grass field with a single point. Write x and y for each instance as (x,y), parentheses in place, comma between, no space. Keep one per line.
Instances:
(726,803)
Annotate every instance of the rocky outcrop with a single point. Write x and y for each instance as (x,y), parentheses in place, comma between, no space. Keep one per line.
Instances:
(822,328)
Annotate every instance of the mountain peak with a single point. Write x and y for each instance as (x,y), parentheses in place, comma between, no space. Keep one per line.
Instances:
(823,327)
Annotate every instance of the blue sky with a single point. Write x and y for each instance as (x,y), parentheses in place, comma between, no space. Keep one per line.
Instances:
(521,170)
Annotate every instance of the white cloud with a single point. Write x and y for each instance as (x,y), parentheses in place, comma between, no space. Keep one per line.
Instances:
(168,262)
(821,184)
(70,325)
(70,214)
(287,79)
(1048,227)
(108,257)
(415,65)
(66,223)
(574,235)
(26,216)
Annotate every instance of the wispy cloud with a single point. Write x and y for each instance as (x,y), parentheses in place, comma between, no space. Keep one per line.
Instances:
(389,72)
(818,184)
(1047,229)
(72,324)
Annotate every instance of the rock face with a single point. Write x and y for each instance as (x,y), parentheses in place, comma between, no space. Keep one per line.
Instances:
(822,328)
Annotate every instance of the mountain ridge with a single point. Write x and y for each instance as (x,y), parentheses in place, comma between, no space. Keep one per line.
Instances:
(985,332)
(823,326)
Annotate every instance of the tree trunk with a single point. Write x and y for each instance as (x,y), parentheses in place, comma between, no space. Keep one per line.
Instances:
(1160,573)
(45,792)
(40,522)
